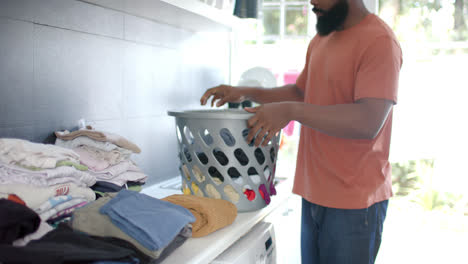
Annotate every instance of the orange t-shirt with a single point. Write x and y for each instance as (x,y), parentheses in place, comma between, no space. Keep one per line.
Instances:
(363,61)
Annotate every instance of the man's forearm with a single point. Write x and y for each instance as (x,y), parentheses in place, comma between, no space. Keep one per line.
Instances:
(354,121)
(289,92)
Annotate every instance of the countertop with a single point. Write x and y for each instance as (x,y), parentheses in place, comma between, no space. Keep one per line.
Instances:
(205,249)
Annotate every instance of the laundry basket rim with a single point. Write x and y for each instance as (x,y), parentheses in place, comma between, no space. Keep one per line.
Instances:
(212,114)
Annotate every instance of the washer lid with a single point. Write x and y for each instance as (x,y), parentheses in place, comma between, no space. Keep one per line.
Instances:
(258,76)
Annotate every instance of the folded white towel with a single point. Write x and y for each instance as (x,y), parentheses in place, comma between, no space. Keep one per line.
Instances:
(29,154)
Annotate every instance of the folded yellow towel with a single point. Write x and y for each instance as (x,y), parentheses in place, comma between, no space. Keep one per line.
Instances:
(210,214)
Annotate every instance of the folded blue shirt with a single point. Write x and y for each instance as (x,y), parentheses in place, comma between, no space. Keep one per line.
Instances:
(152,222)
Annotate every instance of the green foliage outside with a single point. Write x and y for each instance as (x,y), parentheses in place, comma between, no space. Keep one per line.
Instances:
(427,21)
(414,180)
(296,21)
(426,29)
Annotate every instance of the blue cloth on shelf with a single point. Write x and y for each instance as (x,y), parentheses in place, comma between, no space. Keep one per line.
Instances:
(152,222)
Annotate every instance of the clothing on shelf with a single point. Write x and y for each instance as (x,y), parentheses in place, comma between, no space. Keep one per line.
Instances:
(99,136)
(89,220)
(35,196)
(12,174)
(139,216)
(210,214)
(75,247)
(16,221)
(26,153)
(43,229)
(106,155)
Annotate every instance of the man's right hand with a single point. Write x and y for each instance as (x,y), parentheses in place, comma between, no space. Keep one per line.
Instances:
(223,94)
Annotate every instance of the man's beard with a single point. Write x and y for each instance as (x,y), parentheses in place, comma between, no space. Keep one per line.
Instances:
(332,19)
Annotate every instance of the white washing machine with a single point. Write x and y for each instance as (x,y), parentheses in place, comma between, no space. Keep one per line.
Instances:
(258,246)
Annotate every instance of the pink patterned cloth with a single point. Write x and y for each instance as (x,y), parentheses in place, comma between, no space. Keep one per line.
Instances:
(99,136)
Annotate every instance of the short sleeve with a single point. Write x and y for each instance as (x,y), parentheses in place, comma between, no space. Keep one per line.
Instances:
(379,70)
(302,78)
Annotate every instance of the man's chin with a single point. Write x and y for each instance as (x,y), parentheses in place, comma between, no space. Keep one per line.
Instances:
(323,31)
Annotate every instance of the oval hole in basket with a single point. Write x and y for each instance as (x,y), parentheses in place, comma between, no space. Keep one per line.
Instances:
(241,157)
(267,173)
(248,192)
(253,174)
(231,193)
(206,136)
(188,135)
(186,153)
(235,175)
(273,154)
(227,137)
(220,156)
(215,175)
(259,156)
(212,192)
(202,157)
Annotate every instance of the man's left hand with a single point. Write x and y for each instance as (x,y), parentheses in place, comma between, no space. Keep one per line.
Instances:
(268,120)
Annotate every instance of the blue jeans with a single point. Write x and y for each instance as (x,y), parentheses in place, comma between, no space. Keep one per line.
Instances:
(341,236)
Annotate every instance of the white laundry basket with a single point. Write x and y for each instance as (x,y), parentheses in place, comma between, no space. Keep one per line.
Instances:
(217,162)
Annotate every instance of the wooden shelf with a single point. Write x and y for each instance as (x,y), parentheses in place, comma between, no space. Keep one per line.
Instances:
(188,14)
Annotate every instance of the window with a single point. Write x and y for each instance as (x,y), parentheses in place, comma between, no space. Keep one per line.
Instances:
(283,29)
(284,19)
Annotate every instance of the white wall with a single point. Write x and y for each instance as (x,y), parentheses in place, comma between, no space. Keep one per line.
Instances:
(62,60)
(372,5)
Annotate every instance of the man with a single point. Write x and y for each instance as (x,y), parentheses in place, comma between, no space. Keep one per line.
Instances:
(343,98)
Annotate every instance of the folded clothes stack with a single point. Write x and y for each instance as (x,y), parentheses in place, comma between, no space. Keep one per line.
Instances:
(46,178)
(50,214)
(107,157)
(154,227)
